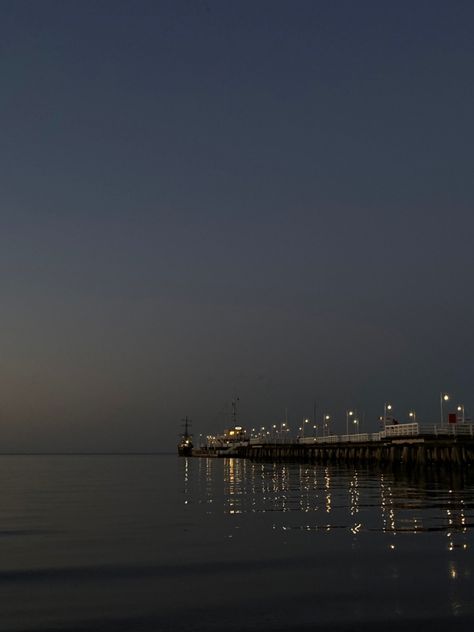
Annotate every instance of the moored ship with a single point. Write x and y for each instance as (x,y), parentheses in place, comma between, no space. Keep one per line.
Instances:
(185,446)
(226,444)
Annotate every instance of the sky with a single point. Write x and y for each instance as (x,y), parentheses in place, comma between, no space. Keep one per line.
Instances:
(201,200)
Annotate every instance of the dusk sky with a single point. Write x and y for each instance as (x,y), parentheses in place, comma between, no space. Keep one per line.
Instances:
(201,199)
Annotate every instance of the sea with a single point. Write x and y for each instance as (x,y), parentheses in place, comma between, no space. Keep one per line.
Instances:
(163,543)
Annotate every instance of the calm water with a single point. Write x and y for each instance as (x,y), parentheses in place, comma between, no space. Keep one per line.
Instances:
(162,543)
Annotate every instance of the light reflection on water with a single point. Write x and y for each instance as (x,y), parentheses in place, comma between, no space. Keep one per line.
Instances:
(161,543)
(422,520)
(328,498)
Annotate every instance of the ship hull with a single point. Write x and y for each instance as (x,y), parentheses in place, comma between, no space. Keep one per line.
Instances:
(185,450)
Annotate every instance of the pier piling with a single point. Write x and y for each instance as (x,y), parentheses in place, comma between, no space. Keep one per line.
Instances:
(414,453)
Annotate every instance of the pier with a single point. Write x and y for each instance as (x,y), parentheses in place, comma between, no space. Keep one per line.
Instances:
(404,444)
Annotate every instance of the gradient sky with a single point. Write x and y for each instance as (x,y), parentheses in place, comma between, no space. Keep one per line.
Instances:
(201,199)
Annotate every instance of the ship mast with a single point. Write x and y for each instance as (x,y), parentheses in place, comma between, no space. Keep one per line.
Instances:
(234,411)
(187,423)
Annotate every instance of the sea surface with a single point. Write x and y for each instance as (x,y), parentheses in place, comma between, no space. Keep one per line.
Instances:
(158,542)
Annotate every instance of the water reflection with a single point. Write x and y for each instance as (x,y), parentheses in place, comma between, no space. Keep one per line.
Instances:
(234,477)
(328,498)
(327,488)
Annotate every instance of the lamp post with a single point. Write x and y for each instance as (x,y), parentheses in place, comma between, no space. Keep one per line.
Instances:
(387,407)
(349,413)
(444,397)
(412,415)
(356,424)
(326,420)
(461,410)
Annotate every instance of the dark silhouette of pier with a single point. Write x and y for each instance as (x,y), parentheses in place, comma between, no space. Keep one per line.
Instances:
(419,451)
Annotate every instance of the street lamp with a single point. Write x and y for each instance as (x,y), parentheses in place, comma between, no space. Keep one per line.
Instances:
(349,413)
(326,420)
(444,397)
(387,408)
(412,415)
(461,410)
(356,424)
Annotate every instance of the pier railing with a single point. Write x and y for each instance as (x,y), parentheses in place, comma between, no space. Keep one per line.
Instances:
(449,430)
(389,432)
(352,438)
(400,430)
(396,430)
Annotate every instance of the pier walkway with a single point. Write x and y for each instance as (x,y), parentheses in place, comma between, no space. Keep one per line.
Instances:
(408,444)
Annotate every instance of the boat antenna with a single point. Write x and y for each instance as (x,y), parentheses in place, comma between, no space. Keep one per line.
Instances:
(234,411)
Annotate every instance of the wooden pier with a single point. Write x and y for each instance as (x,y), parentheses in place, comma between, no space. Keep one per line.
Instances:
(409,451)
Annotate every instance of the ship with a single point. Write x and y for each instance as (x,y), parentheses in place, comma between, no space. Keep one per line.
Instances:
(185,446)
(226,444)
